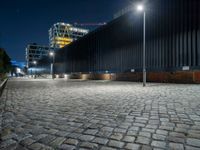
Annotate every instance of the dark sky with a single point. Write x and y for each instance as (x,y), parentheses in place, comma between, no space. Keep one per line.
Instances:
(28,21)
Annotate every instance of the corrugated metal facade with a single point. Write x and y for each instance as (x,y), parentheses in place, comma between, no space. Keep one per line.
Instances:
(173,41)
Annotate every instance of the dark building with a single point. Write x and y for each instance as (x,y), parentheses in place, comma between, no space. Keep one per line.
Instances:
(172,45)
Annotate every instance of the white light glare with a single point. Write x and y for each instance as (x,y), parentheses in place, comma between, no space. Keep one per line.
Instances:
(18,70)
(66,76)
(51,53)
(140,7)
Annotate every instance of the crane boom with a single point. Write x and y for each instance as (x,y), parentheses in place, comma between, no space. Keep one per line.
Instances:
(90,24)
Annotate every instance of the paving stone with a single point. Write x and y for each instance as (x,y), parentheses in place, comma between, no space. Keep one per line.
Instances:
(7,143)
(86,137)
(139,124)
(193,135)
(67,147)
(131,146)
(47,148)
(132,133)
(151,126)
(168,128)
(145,147)
(58,141)
(145,134)
(107,148)
(19,147)
(193,142)
(62,133)
(159,137)
(40,136)
(116,144)
(47,139)
(119,130)
(163,132)
(176,146)
(181,130)
(176,139)
(52,131)
(117,136)
(71,141)
(36,146)
(158,144)
(176,134)
(105,134)
(27,142)
(102,141)
(134,128)
(142,140)
(191,148)
(130,139)
(91,131)
(74,135)
(89,145)
(148,130)
(109,129)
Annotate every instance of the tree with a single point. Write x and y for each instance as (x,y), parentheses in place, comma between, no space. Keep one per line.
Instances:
(5,64)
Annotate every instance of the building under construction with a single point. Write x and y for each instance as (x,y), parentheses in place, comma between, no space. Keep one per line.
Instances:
(61,34)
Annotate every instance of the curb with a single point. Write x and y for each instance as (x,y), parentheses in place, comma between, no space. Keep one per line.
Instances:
(2,86)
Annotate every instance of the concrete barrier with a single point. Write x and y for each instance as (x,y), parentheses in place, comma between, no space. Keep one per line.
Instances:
(2,86)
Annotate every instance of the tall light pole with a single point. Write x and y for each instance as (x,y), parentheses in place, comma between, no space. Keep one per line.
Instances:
(141,9)
(35,63)
(52,54)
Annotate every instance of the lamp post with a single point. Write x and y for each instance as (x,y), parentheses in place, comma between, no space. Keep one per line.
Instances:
(52,54)
(35,63)
(141,9)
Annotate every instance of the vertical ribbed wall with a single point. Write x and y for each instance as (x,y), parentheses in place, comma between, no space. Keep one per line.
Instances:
(173,41)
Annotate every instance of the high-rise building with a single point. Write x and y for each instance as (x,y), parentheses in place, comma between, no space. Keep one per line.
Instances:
(35,52)
(61,34)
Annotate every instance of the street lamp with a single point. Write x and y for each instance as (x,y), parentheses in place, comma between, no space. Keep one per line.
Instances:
(35,63)
(141,9)
(52,54)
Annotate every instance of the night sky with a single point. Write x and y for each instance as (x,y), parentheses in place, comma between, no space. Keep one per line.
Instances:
(28,21)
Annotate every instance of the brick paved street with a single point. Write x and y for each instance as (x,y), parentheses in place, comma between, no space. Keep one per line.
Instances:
(46,114)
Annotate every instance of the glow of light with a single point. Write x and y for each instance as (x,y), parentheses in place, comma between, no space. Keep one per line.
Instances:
(140,7)
(51,53)
(66,76)
(18,70)
(35,62)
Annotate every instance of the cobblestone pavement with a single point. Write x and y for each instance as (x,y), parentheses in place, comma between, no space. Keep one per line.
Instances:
(46,115)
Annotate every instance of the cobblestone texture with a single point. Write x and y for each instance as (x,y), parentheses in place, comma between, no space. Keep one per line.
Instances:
(60,114)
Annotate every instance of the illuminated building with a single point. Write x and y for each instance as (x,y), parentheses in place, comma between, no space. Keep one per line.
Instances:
(61,34)
(35,52)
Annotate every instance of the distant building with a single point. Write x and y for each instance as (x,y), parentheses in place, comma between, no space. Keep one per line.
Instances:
(35,52)
(61,34)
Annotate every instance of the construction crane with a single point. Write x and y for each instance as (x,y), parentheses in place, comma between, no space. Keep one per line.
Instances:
(90,24)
